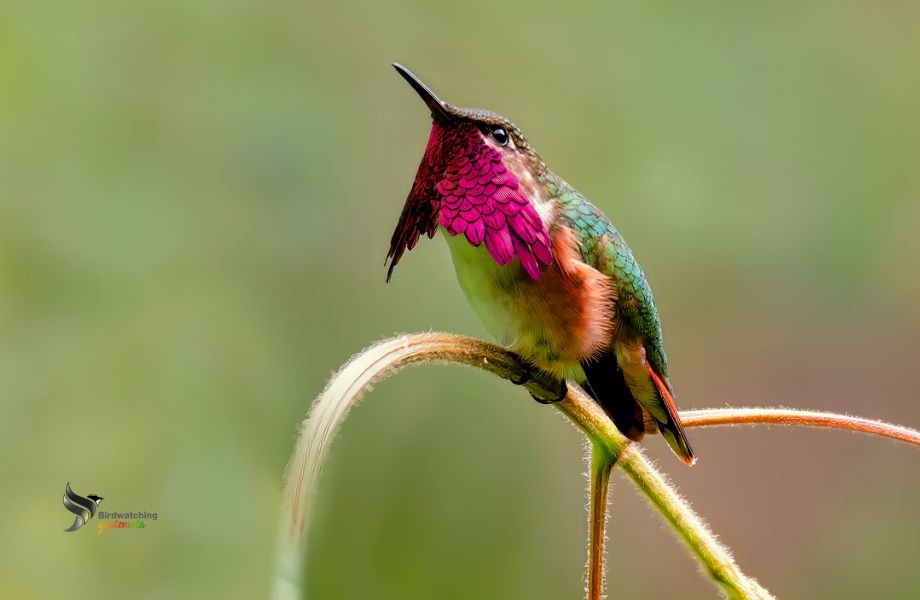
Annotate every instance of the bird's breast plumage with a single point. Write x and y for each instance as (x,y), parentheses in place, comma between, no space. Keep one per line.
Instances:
(558,320)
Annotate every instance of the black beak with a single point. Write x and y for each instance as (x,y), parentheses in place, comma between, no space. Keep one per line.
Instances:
(439,109)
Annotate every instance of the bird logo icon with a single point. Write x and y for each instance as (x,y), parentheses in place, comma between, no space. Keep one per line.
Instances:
(83,508)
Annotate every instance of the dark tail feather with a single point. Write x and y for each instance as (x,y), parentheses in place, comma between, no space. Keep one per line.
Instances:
(671,428)
(605,383)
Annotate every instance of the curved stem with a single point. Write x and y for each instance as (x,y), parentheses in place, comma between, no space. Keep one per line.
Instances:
(329,410)
(784,416)
(385,358)
(601,465)
(715,558)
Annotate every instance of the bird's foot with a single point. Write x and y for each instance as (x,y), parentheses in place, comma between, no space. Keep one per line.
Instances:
(549,390)
(552,390)
(558,397)
(524,377)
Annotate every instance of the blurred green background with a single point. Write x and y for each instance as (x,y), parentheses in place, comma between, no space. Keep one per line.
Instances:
(197,199)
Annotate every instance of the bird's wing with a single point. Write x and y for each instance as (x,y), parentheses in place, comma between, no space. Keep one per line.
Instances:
(603,248)
(637,345)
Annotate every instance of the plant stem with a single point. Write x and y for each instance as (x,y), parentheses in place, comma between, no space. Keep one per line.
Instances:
(329,410)
(385,358)
(785,416)
(715,557)
(601,465)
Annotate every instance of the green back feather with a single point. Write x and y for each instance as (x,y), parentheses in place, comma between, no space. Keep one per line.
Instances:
(603,248)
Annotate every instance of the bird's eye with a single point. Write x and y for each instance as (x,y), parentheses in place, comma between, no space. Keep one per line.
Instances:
(500,136)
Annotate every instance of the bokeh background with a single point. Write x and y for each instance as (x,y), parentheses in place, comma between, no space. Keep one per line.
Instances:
(197,199)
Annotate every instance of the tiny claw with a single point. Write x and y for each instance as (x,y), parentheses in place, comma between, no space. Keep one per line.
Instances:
(524,377)
(540,400)
(563,392)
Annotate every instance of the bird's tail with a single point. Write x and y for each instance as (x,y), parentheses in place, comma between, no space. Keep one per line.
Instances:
(637,398)
(605,382)
(668,420)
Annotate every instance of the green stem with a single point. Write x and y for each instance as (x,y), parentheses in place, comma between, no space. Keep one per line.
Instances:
(714,557)
(385,358)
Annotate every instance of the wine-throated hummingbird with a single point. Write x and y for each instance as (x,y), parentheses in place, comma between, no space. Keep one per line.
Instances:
(545,270)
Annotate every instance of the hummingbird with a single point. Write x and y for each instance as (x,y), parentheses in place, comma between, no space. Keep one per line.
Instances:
(545,270)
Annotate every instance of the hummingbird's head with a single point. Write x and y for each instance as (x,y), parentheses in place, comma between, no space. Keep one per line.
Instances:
(480,178)
(95,498)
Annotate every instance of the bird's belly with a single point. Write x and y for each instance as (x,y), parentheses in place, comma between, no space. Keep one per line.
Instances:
(549,321)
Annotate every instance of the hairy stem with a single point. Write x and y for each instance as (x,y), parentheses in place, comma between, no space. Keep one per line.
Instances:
(385,358)
(601,465)
(786,416)
(714,557)
(329,410)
